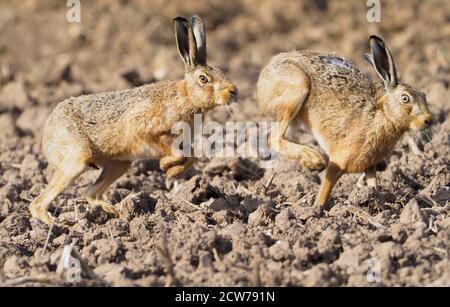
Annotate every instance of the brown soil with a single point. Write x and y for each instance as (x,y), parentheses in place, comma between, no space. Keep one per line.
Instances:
(220,224)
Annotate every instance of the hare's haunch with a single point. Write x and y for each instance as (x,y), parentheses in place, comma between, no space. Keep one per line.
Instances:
(110,130)
(355,120)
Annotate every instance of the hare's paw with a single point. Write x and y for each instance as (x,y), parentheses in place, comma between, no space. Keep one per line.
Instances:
(312,159)
(42,213)
(107,207)
(177,170)
(169,161)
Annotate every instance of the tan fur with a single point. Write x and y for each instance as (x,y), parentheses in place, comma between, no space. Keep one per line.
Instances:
(109,130)
(356,121)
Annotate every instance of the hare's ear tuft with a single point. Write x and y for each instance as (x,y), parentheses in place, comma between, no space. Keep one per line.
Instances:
(198,27)
(383,62)
(185,39)
(368,58)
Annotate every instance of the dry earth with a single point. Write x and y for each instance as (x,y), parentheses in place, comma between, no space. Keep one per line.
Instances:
(220,224)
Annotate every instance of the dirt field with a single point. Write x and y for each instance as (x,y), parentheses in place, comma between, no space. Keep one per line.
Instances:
(221,225)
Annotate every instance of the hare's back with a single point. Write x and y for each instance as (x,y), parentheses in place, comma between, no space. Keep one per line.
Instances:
(333,78)
(107,107)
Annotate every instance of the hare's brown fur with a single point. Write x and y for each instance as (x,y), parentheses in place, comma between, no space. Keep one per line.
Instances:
(123,125)
(110,130)
(350,115)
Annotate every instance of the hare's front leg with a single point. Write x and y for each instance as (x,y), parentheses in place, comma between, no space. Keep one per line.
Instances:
(112,170)
(176,170)
(332,174)
(371,178)
(169,161)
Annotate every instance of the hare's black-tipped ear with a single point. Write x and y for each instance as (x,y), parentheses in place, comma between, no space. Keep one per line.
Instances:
(185,41)
(383,62)
(198,27)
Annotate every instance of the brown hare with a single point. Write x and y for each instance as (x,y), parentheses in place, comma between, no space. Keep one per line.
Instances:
(355,120)
(110,130)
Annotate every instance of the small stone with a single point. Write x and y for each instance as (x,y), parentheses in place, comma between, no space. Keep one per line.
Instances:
(10,191)
(32,119)
(30,165)
(62,240)
(205,259)
(216,204)
(59,69)
(443,195)
(14,266)
(319,276)
(114,273)
(13,95)
(283,218)
(388,250)
(223,217)
(137,204)
(7,128)
(411,214)
(280,251)
(235,229)
(262,216)
(350,258)
(305,213)
(133,77)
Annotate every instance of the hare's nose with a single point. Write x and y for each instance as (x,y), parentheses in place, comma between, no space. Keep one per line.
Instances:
(429,120)
(233,91)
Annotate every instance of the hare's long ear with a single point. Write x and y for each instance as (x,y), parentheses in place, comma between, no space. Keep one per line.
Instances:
(198,27)
(383,62)
(185,41)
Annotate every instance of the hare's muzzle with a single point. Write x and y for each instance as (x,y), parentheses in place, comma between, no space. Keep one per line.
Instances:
(423,122)
(228,94)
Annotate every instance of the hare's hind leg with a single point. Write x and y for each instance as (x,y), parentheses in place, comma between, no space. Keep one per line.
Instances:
(112,170)
(61,179)
(282,90)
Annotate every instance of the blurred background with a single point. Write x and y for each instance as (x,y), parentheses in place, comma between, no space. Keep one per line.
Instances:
(121,44)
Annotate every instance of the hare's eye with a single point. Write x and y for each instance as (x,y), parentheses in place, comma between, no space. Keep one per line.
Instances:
(405,98)
(203,79)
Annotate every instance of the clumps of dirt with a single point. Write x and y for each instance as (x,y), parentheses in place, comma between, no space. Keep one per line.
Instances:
(227,222)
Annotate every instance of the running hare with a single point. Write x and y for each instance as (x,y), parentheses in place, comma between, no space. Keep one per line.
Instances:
(355,120)
(110,130)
